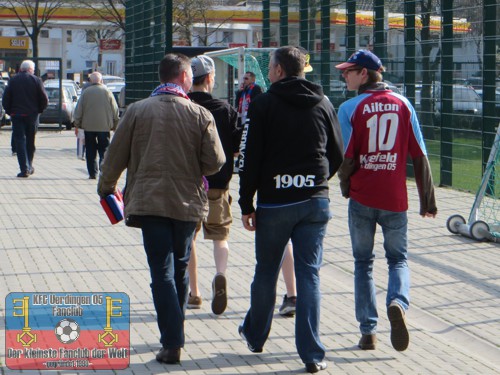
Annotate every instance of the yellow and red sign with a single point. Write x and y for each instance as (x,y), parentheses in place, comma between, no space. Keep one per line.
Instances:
(14,42)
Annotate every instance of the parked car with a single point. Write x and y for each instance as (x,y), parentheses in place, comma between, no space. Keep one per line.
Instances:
(118,90)
(467,105)
(66,110)
(4,117)
(74,89)
(497,100)
(107,79)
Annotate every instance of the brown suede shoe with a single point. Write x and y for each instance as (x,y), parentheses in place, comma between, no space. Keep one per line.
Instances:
(368,342)
(170,356)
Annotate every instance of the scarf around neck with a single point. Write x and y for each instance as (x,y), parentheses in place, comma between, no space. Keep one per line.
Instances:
(169,89)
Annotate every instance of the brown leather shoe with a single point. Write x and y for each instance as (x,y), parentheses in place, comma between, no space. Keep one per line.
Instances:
(368,342)
(170,356)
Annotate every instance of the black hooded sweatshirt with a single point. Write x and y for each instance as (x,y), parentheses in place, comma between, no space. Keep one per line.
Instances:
(226,120)
(290,147)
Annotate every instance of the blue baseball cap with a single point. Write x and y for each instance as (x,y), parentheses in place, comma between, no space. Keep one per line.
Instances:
(363,58)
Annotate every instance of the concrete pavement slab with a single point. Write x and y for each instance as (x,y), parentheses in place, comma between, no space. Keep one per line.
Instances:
(54,237)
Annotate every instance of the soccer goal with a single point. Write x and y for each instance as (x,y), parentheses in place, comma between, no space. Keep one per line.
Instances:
(232,63)
(484,220)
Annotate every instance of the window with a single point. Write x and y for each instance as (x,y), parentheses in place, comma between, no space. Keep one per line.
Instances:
(90,36)
(364,40)
(111,67)
(44,33)
(69,36)
(227,37)
(20,32)
(68,64)
(89,64)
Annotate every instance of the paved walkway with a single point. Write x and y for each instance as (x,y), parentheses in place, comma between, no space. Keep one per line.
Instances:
(54,237)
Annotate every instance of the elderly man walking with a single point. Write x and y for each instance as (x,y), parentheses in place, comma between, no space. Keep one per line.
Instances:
(97,114)
(24,99)
(167,143)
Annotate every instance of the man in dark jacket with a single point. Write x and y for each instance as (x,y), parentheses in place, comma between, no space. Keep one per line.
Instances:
(291,146)
(216,226)
(248,91)
(24,99)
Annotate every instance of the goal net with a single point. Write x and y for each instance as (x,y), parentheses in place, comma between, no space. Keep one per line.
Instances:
(487,203)
(484,218)
(231,65)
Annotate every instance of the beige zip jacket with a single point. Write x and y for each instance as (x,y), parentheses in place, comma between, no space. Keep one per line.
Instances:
(166,143)
(96,110)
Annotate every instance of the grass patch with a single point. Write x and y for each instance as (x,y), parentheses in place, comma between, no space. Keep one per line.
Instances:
(466,162)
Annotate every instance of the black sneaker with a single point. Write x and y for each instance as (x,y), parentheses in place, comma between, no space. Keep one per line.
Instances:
(23,174)
(253,349)
(288,306)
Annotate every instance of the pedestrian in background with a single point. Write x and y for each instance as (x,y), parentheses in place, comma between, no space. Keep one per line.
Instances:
(217,224)
(247,92)
(380,130)
(96,114)
(291,146)
(167,143)
(23,100)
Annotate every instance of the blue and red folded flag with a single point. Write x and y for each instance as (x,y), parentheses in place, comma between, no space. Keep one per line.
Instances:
(113,206)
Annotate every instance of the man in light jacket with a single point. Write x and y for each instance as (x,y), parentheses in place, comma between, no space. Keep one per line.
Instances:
(167,144)
(97,114)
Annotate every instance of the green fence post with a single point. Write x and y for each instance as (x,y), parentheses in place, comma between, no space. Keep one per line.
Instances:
(168,25)
(409,61)
(283,22)
(351,28)
(379,43)
(304,23)
(266,23)
(446,93)
(490,121)
(325,46)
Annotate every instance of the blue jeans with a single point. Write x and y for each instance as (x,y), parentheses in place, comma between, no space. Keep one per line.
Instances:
(362,225)
(168,246)
(24,129)
(305,223)
(95,142)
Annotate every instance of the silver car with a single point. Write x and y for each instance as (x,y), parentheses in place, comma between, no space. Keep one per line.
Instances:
(55,112)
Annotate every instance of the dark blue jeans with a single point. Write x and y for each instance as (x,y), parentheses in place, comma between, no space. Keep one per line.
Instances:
(95,142)
(168,246)
(305,223)
(24,129)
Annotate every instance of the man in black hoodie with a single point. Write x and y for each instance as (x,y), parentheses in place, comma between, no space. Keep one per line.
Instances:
(216,226)
(290,147)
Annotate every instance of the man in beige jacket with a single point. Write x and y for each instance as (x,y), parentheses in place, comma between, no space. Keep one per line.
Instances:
(167,144)
(97,114)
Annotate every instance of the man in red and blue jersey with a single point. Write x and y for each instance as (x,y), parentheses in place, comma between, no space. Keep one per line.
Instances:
(380,130)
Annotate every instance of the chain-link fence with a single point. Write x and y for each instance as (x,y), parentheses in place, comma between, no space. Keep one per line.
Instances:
(443,55)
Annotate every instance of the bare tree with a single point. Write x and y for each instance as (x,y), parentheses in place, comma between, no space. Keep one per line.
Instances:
(189,12)
(95,36)
(33,15)
(112,11)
